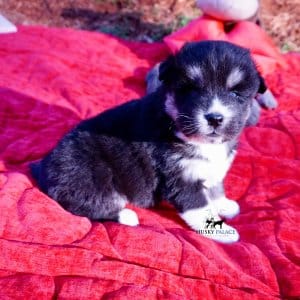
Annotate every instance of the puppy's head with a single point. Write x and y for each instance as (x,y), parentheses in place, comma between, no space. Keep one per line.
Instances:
(210,86)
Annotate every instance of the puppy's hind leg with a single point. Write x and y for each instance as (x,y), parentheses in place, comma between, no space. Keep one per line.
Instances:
(114,209)
(110,203)
(94,197)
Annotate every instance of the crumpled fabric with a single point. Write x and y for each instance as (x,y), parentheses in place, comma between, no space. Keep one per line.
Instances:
(51,79)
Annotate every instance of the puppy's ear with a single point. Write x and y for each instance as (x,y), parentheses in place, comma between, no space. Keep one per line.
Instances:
(264,96)
(262,85)
(167,69)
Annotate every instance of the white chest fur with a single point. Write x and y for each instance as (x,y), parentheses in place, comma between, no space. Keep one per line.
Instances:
(211,168)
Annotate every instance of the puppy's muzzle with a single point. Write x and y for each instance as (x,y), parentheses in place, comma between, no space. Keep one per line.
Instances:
(215,120)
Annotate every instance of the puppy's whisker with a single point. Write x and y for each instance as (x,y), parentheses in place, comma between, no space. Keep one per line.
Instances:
(184,116)
(190,131)
(187,122)
(186,119)
(189,125)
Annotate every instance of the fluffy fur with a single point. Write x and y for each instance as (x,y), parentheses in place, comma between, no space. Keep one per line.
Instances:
(176,143)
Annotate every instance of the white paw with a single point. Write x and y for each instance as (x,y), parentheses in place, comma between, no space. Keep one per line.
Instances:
(227,208)
(206,222)
(196,217)
(128,217)
(223,234)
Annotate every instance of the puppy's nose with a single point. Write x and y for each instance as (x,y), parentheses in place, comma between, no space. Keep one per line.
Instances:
(214,119)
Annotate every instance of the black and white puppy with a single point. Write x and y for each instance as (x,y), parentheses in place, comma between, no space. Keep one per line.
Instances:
(176,143)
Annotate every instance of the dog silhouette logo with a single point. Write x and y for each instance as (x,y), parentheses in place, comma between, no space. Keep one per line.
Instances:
(217,229)
(211,223)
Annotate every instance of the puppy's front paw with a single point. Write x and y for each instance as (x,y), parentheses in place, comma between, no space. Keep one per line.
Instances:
(128,217)
(196,218)
(227,208)
(205,222)
(224,234)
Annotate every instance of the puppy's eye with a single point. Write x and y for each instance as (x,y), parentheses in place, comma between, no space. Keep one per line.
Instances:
(238,96)
(234,93)
(188,88)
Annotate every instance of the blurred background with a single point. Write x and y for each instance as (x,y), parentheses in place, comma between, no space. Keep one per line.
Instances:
(145,20)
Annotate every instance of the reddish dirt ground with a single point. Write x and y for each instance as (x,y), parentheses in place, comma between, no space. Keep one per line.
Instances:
(145,20)
(281,19)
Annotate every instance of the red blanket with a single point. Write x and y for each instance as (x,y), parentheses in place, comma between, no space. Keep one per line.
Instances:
(51,79)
